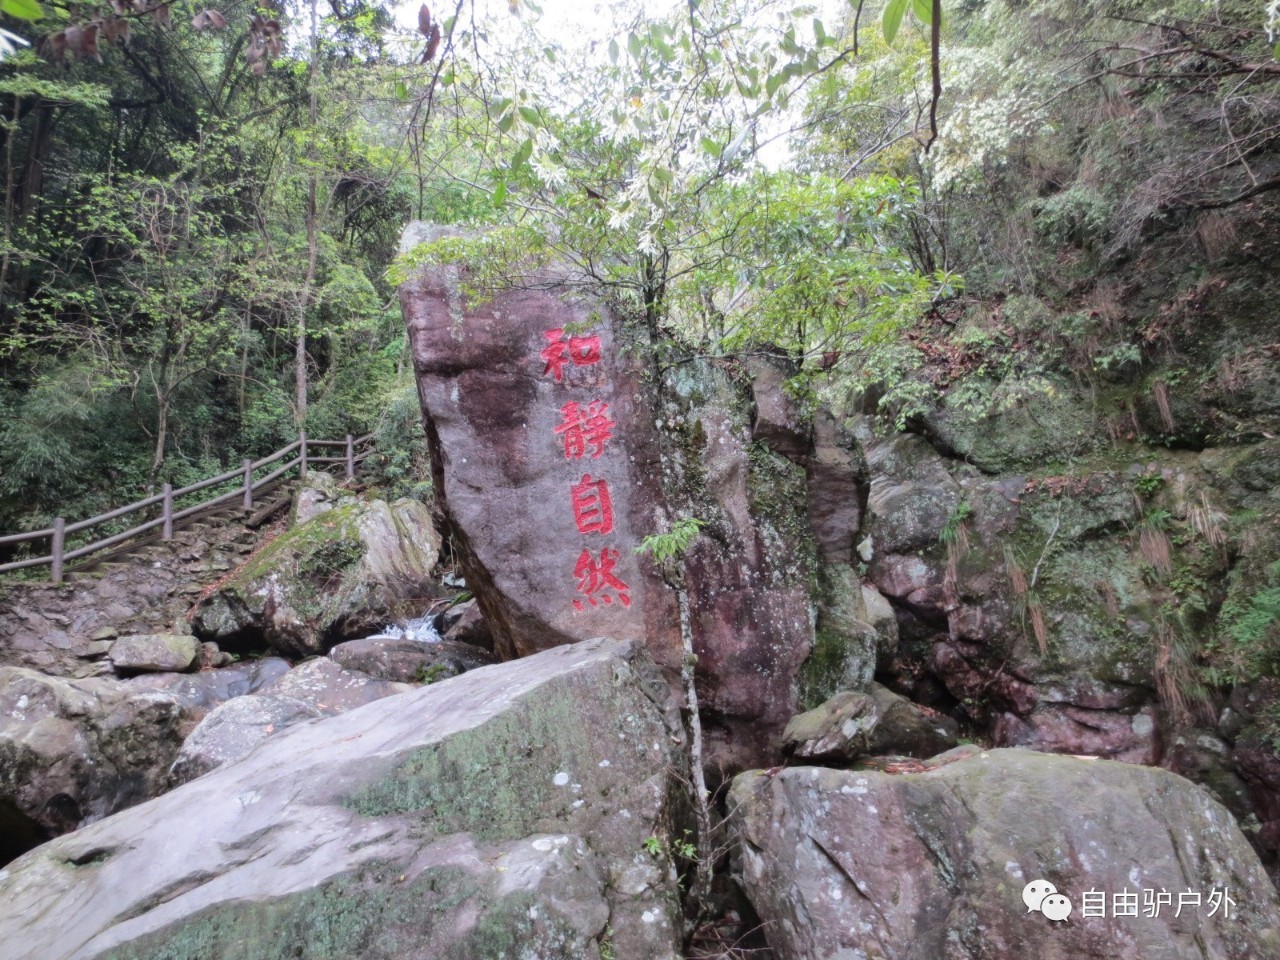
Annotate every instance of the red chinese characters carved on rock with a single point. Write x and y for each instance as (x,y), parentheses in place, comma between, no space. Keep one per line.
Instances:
(592,505)
(580,351)
(586,429)
(597,582)
(582,429)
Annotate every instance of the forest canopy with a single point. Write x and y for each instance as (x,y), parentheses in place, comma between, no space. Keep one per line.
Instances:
(202,201)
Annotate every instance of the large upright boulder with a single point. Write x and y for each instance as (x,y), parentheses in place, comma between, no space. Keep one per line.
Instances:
(343,573)
(555,451)
(501,813)
(546,461)
(934,865)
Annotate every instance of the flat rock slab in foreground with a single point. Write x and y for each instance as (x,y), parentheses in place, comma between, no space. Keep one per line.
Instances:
(853,865)
(501,813)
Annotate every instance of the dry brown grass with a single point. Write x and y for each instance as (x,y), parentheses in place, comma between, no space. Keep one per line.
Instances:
(1238,370)
(1215,233)
(957,547)
(1038,627)
(1104,303)
(1017,576)
(1156,549)
(1031,606)
(1207,521)
(1113,106)
(1177,685)
(1160,390)
(1109,597)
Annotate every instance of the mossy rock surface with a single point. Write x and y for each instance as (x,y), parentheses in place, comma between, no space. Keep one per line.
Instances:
(497,814)
(342,574)
(934,864)
(1050,424)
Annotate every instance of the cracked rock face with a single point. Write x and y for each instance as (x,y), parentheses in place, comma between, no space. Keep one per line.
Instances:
(946,545)
(500,811)
(933,865)
(72,750)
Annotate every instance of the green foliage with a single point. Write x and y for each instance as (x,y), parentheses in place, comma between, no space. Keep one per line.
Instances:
(894,10)
(429,673)
(150,291)
(672,545)
(400,465)
(24,85)
(806,263)
(951,532)
(1078,216)
(496,258)
(22,9)
(683,847)
(1147,485)
(1155,518)
(332,557)
(1251,623)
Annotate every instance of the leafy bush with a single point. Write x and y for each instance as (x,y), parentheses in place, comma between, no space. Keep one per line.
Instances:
(401,464)
(1248,645)
(1078,216)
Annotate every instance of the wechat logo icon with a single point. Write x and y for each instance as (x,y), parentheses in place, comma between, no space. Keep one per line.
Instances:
(1041,896)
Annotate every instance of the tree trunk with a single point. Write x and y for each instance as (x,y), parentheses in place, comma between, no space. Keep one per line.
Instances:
(162,434)
(8,196)
(33,172)
(300,349)
(244,368)
(705,867)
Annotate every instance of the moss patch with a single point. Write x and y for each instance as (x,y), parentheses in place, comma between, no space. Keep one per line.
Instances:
(517,774)
(521,926)
(370,915)
(778,492)
(841,659)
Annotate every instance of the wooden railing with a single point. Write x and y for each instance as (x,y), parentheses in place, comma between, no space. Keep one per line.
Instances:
(354,450)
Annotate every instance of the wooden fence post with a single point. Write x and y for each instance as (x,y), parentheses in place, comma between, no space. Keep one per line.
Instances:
(59,535)
(351,458)
(168,512)
(248,484)
(302,463)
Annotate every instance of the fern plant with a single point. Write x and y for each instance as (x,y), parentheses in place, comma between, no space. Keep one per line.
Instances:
(661,547)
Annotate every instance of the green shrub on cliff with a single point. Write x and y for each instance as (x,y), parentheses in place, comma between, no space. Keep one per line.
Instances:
(1250,627)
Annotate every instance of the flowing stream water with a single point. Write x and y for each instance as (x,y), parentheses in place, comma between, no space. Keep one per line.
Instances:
(422,629)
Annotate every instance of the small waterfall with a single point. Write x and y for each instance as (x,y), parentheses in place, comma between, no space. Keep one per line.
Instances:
(422,629)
